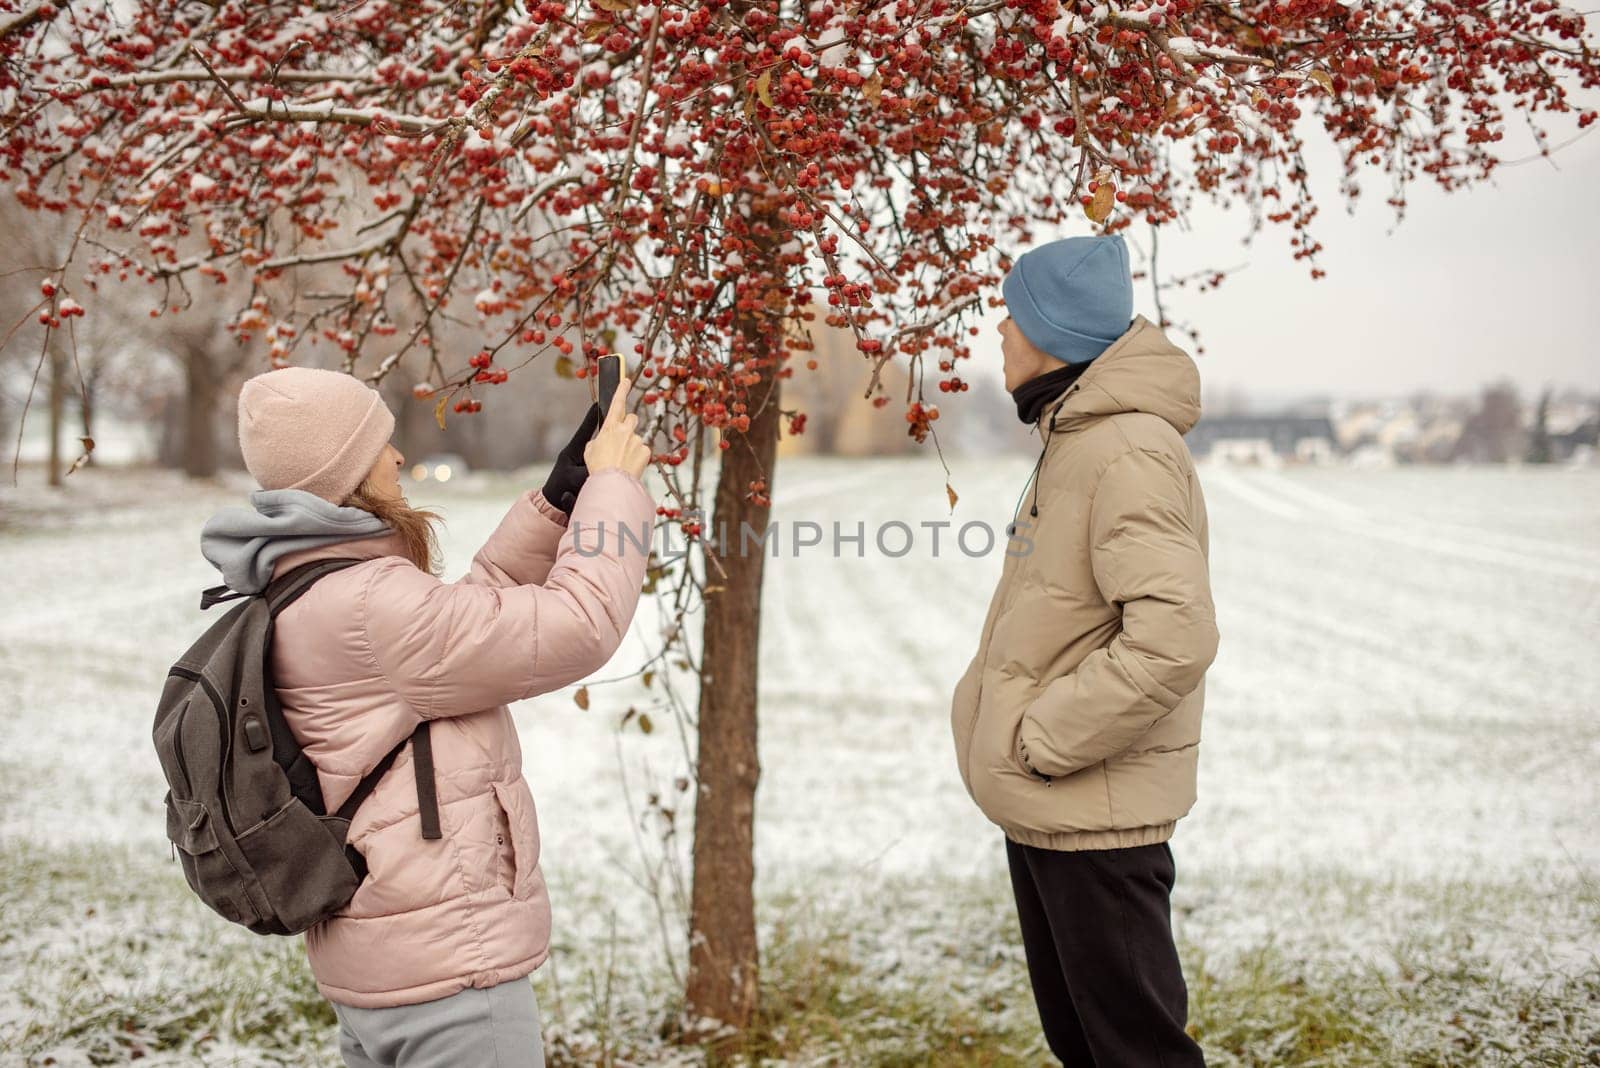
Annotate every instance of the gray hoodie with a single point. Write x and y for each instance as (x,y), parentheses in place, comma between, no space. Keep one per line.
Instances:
(244,544)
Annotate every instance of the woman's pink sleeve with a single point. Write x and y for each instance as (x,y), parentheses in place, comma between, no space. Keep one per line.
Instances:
(522,548)
(451,648)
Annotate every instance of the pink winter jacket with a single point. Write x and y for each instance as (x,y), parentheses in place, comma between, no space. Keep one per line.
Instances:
(370,651)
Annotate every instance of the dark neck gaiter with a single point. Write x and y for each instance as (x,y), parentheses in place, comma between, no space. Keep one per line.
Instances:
(1035,393)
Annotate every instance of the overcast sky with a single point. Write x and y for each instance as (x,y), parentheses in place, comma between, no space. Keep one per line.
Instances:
(1497,281)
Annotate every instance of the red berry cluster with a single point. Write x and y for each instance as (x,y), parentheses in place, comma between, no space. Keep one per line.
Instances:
(367,174)
(483,362)
(54,311)
(920,416)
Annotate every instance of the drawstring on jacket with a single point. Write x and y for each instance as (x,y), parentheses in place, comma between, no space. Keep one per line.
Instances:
(1038,467)
(1039,464)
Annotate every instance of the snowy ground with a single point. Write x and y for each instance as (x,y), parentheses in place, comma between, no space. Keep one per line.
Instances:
(1398,804)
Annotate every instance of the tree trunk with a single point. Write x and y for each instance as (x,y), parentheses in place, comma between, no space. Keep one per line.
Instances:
(58,398)
(1539,450)
(199,442)
(723,957)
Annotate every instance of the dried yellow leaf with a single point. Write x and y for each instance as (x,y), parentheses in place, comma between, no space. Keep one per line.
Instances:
(1100,207)
(872,88)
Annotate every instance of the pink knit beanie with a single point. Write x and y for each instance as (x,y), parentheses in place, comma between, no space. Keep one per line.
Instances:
(314,430)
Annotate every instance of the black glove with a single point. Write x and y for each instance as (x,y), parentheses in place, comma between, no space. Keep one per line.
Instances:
(570,472)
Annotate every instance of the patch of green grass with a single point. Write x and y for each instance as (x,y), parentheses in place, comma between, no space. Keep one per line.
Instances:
(830,994)
(1269,1008)
(108,958)
(827,993)
(1265,1012)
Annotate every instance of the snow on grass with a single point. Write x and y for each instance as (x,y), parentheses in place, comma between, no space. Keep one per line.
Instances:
(1393,858)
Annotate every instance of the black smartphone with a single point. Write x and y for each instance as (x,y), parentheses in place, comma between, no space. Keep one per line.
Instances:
(610,375)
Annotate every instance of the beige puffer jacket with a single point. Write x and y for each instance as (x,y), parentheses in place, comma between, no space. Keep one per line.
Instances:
(1077,725)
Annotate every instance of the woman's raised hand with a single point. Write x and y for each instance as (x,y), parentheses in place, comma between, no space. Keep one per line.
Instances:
(617,443)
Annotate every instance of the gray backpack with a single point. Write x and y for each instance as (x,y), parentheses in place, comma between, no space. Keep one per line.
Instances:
(244,809)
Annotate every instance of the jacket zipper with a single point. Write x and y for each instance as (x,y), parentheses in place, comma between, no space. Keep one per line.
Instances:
(222,725)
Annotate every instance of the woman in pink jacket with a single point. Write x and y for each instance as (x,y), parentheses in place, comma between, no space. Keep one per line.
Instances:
(428,964)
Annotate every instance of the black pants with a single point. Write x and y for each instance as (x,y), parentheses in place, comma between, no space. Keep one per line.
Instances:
(1097,928)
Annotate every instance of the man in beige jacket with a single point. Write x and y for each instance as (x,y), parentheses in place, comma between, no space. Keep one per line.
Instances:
(1077,725)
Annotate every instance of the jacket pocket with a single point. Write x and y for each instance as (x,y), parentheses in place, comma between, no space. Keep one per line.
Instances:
(508,857)
(1019,753)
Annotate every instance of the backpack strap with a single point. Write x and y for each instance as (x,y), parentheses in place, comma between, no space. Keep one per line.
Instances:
(282,593)
(369,783)
(287,588)
(347,810)
(216,595)
(427,794)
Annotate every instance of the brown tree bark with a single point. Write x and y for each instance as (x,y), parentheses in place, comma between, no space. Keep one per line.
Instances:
(724,963)
(199,412)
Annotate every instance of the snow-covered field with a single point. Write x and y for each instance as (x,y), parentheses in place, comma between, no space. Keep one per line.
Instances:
(1399,810)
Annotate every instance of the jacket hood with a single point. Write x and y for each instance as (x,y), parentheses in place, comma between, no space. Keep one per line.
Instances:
(1141,371)
(245,543)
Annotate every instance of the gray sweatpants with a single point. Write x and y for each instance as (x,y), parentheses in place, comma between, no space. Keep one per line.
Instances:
(493,1028)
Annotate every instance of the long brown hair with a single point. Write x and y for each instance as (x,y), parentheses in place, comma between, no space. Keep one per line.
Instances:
(414,525)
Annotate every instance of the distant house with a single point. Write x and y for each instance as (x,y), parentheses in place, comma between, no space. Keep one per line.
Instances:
(1578,442)
(1264,438)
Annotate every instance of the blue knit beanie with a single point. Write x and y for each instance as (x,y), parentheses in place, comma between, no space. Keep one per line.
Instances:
(1072,298)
